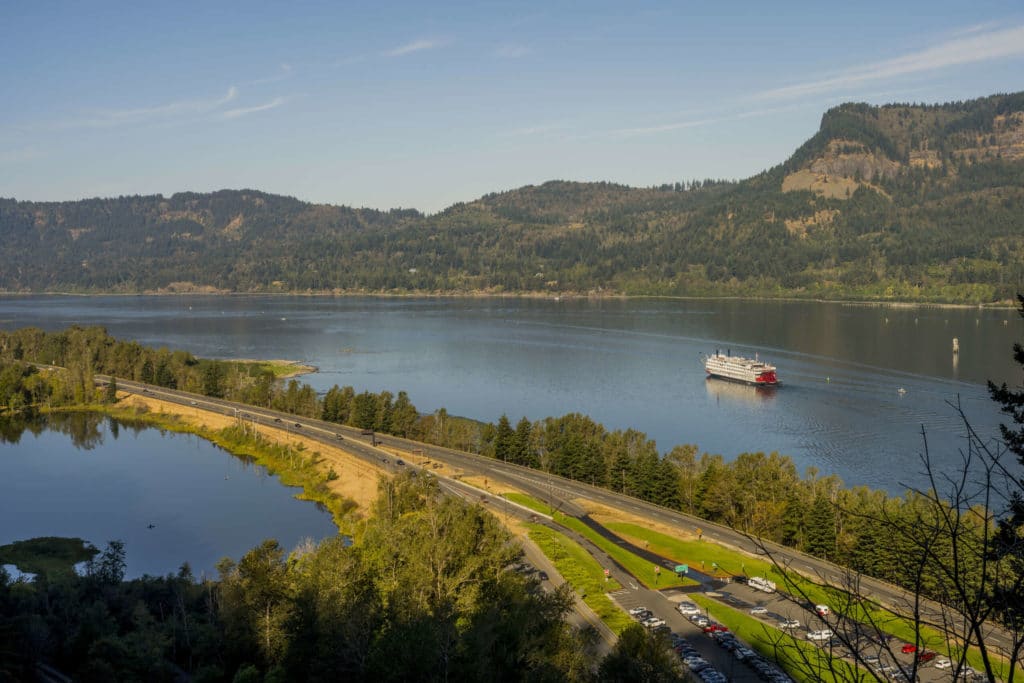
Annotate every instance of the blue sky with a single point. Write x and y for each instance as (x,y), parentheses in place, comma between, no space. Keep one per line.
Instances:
(423,104)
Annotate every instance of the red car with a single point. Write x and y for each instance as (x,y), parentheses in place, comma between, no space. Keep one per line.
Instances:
(711,628)
(908,648)
(925,656)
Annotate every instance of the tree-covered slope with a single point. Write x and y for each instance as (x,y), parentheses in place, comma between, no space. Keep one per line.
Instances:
(914,202)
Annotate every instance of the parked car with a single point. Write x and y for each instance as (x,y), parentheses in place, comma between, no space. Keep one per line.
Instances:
(789,623)
(943,663)
(759,609)
(823,634)
(926,656)
(688,609)
(711,628)
(637,610)
(908,648)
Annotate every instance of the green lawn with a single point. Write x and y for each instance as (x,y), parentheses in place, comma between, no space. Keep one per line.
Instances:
(583,573)
(642,569)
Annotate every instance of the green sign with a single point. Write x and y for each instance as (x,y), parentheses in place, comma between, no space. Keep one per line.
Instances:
(682,569)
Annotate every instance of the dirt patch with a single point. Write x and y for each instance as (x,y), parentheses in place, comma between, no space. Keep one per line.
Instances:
(357,479)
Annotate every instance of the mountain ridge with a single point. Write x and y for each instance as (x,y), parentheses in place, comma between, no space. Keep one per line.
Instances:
(894,202)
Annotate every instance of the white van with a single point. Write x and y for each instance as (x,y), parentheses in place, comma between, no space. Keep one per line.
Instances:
(762,584)
(823,634)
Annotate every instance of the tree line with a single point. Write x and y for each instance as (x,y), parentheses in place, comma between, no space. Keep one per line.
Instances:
(760,494)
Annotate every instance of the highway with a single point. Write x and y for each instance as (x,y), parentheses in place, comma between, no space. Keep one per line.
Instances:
(558,492)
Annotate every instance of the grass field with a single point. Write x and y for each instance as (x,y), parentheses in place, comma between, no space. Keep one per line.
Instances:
(583,573)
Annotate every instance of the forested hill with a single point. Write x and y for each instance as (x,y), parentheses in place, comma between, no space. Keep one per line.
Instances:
(899,202)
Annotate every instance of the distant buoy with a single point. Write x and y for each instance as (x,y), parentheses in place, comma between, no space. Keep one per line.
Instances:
(828,380)
(901,391)
(956,345)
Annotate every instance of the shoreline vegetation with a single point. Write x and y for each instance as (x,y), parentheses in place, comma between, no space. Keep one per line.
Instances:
(554,296)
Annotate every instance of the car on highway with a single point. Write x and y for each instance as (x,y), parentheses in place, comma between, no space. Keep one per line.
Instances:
(192,403)
(908,648)
(339,437)
(277,419)
(401,463)
(789,623)
(822,634)
(542,575)
(759,609)
(298,426)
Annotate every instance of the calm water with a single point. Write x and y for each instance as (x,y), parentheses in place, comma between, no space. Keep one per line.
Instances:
(99,480)
(625,363)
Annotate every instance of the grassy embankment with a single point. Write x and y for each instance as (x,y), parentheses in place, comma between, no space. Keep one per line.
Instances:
(637,566)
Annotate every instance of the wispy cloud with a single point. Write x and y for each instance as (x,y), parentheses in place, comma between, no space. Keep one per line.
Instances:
(978,45)
(106,118)
(245,111)
(511,51)
(696,122)
(415,46)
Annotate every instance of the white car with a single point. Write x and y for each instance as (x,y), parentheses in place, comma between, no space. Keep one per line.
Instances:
(700,620)
(759,609)
(789,623)
(637,610)
(943,663)
(688,609)
(823,634)
(653,622)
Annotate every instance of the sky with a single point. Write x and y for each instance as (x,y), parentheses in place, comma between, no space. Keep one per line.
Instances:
(424,104)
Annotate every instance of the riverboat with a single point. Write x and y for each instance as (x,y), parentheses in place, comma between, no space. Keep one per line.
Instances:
(739,369)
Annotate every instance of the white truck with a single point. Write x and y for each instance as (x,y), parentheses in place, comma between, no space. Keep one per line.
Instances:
(762,584)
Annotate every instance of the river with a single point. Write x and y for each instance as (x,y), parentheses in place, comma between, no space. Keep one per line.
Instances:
(626,363)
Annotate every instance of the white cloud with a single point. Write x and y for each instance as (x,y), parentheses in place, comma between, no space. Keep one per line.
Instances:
(975,46)
(245,111)
(414,46)
(106,118)
(283,72)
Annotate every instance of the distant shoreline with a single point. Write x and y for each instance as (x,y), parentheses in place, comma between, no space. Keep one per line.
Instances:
(566,296)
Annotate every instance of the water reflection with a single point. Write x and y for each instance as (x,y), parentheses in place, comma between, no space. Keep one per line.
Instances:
(738,391)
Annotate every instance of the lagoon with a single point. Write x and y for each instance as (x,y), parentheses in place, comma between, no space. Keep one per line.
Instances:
(86,476)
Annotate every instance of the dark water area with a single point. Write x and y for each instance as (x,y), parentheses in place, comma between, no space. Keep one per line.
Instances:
(626,363)
(82,475)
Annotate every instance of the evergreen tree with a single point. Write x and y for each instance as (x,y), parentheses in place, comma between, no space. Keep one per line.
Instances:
(110,392)
(503,440)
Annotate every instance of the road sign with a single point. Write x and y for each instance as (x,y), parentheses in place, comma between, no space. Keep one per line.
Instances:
(682,569)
